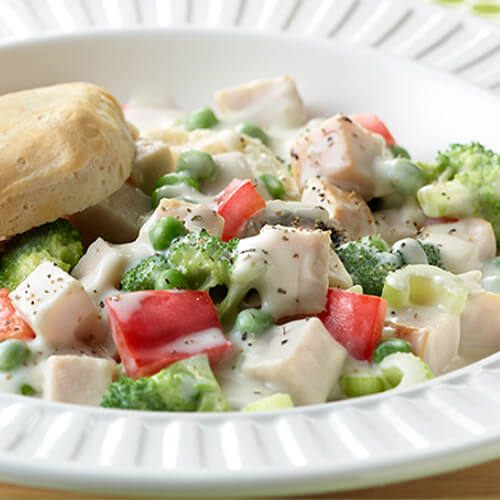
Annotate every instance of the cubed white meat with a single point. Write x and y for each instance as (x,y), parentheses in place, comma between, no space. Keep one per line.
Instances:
(152,160)
(464,245)
(273,102)
(196,217)
(117,219)
(79,380)
(480,320)
(394,224)
(300,358)
(347,210)
(294,263)
(58,308)
(433,334)
(340,152)
(338,277)
(100,271)
(230,166)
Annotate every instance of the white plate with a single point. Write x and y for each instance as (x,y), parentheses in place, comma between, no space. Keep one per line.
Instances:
(447,423)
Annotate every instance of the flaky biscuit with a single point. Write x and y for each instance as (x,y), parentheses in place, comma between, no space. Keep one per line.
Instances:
(63,148)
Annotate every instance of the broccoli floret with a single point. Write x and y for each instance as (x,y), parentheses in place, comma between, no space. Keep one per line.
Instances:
(207,264)
(143,275)
(205,260)
(433,255)
(430,254)
(368,261)
(187,385)
(465,182)
(57,242)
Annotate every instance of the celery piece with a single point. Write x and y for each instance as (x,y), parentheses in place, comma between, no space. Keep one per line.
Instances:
(403,369)
(361,385)
(420,285)
(278,401)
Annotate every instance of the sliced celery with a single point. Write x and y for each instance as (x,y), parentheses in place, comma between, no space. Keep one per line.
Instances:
(276,401)
(403,369)
(362,381)
(445,199)
(420,284)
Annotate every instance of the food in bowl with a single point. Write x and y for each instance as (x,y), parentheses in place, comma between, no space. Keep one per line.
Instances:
(246,258)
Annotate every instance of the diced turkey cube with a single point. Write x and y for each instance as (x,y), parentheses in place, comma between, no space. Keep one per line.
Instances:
(100,271)
(196,217)
(152,160)
(231,166)
(347,210)
(434,335)
(394,224)
(340,152)
(269,103)
(338,277)
(117,219)
(480,320)
(299,358)
(295,264)
(465,245)
(58,308)
(79,380)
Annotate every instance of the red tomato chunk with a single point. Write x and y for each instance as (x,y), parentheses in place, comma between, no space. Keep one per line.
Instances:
(355,321)
(155,328)
(12,326)
(374,124)
(236,204)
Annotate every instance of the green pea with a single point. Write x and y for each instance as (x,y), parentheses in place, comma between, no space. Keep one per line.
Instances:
(399,152)
(171,278)
(173,179)
(197,164)
(253,321)
(27,390)
(165,231)
(389,346)
(13,352)
(405,176)
(200,118)
(174,191)
(254,131)
(273,185)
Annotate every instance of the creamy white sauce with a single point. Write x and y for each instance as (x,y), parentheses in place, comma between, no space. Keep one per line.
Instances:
(411,250)
(32,371)
(273,269)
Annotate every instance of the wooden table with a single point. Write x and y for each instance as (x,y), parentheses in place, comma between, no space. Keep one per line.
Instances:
(480,482)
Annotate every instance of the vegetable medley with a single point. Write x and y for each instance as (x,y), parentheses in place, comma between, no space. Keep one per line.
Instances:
(278,262)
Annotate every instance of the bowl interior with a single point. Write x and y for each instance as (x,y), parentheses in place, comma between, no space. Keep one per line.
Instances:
(425,109)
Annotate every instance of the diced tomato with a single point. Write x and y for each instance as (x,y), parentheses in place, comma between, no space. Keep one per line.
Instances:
(374,124)
(354,320)
(155,328)
(440,220)
(12,326)
(236,204)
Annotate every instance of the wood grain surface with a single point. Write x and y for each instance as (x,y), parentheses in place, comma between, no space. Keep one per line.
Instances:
(480,482)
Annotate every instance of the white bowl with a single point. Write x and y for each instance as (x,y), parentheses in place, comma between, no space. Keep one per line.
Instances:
(449,422)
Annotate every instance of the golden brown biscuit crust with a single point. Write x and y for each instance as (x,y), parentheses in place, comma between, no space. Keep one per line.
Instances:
(62,148)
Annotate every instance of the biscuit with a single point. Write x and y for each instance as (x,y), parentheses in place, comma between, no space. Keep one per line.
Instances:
(63,148)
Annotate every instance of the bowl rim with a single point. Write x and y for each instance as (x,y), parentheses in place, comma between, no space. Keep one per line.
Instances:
(475,448)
